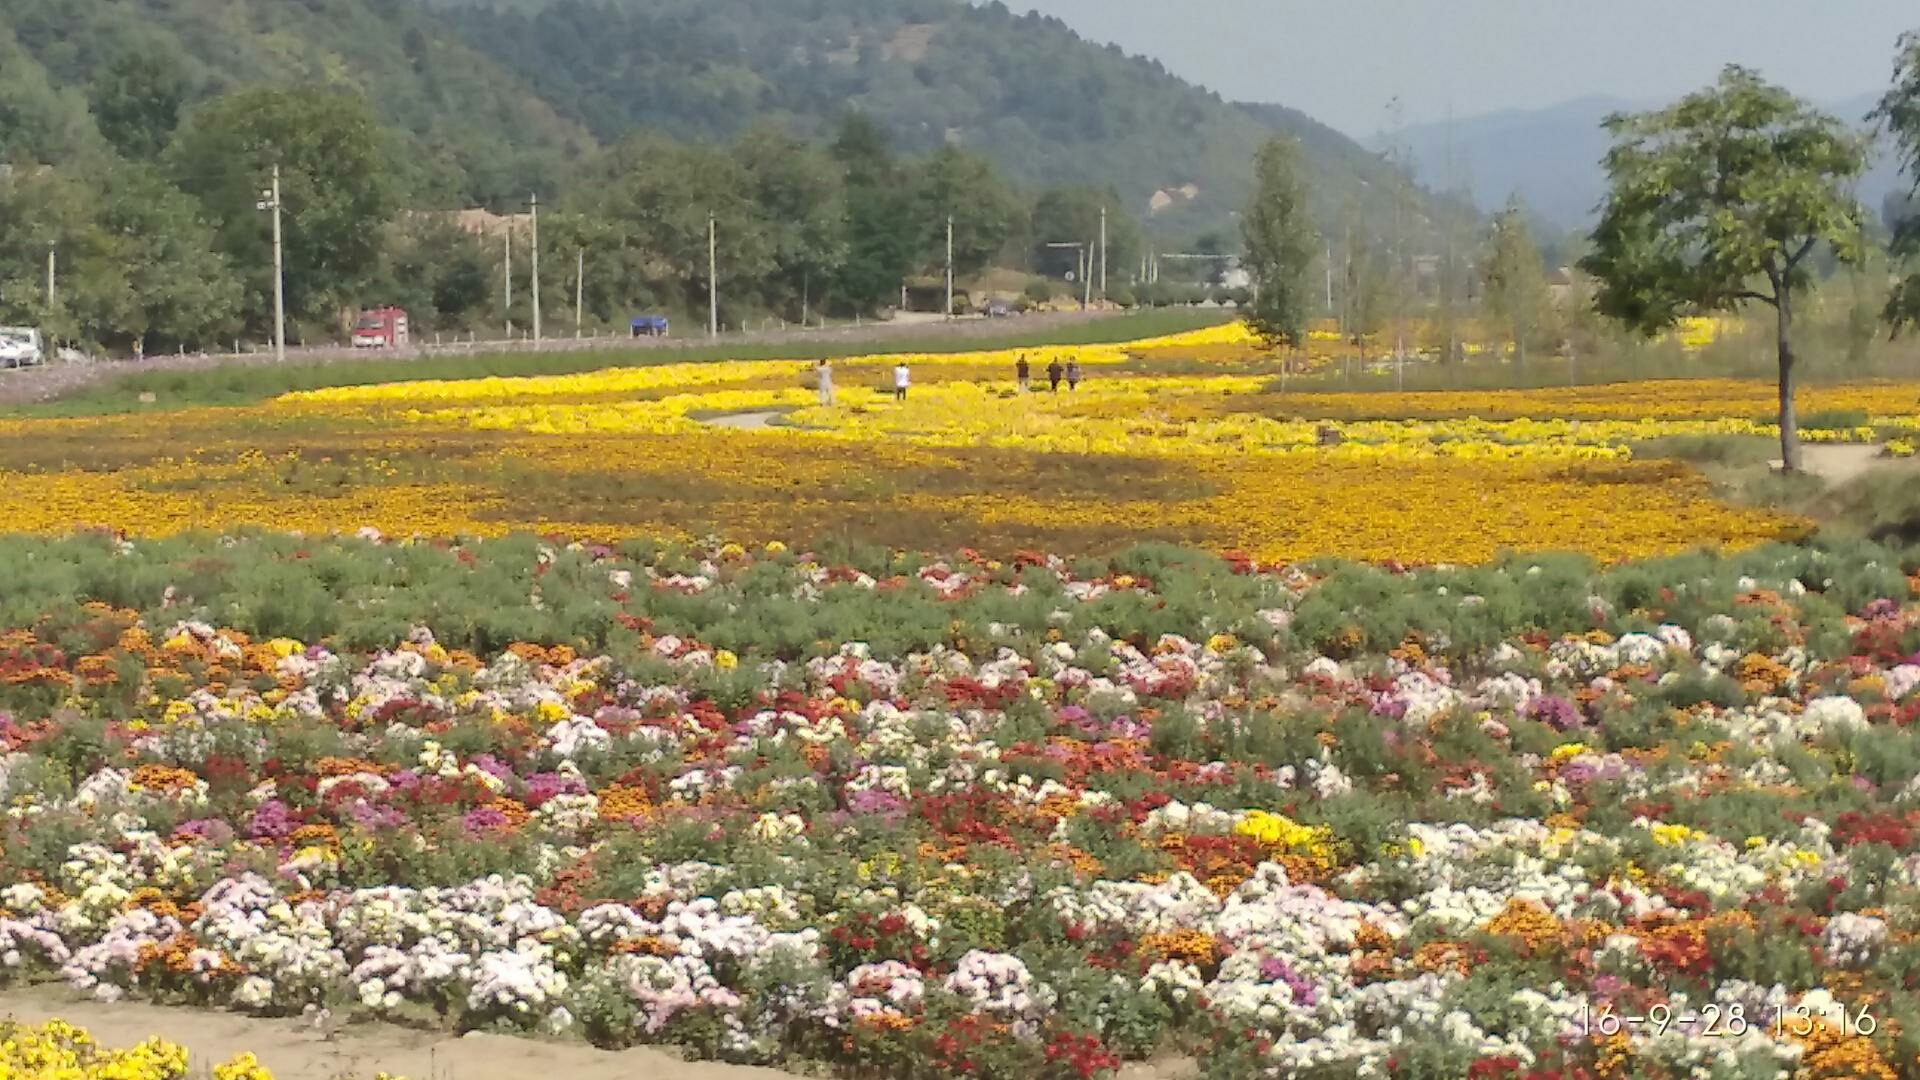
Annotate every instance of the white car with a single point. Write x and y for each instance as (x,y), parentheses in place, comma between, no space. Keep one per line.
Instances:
(21,346)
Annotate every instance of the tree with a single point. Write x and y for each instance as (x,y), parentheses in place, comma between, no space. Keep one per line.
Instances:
(1899,116)
(136,263)
(444,276)
(882,238)
(137,99)
(655,197)
(335,186)
(1281,244)
(179,290)
(1716,202)
(1369,287)
(800,193)
(1515,279)
(953,184)
(39,122)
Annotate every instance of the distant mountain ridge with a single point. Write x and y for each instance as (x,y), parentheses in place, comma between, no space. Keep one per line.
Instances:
(1552,157)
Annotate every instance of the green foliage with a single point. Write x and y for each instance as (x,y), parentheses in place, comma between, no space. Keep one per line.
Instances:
(465,131)
(656,198)
(1899,116)
(1280,244)
(1717,201)
(135,258)
(1885,505)
(1048,108)
(1903,305)
(1515,279)
(362,595)
(444,276)
(1736,182)
(800,190)
(138,100)
(335,185)
(39,120)
(882,237)
(961,187)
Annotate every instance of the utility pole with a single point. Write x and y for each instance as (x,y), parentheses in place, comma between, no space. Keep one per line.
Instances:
(713,276)
(579,290)
(534,201)
(53,291)
(1087,301)
(506,275)
(270,201)
(1103,254)
(949,312)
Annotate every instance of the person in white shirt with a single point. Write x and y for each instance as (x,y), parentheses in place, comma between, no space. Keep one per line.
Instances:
(901,380)
(823,374)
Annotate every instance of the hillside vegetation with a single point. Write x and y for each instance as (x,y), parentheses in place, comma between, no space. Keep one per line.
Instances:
(491,101)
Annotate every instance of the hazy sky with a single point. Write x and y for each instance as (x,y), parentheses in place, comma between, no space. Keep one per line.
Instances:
(1342,61)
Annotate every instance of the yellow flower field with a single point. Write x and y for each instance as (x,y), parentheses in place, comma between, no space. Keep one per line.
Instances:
(1145,449)
(1656,399)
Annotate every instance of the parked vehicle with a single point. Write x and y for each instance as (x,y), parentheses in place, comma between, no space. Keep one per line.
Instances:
(381,328)
(999,309)
(650,326)
(21,346)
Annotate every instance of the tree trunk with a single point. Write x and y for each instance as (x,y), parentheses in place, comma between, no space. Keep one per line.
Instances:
(1519,346)
(1789,418)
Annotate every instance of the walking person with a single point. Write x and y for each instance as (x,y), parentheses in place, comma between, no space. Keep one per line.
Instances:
(1073,373)
(1023,371)
(901,380)
(1053,375)
(823,376)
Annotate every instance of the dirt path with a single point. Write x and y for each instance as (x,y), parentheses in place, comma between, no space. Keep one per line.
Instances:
(744,421)
(1839,463)
(300,1050)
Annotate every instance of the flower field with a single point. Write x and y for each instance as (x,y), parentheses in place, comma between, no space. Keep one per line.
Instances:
(908,816)
(1191,439)
(1139,770)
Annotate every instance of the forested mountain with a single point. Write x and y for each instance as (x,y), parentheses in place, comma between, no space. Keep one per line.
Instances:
(1047,106)
(493,98)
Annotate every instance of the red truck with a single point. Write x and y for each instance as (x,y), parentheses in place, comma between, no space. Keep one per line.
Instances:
(381,328)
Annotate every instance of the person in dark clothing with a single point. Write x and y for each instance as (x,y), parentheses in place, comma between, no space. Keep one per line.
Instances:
(1073,373)
(1053,375)
(1023,370)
